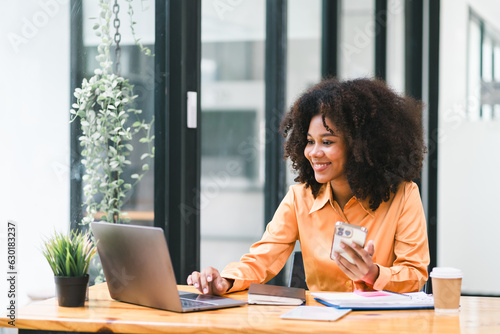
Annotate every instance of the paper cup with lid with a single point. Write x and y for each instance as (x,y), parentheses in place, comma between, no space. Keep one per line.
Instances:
(446,288)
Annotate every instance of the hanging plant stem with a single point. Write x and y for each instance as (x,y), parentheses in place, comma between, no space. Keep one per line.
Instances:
(145,50)
(104,105)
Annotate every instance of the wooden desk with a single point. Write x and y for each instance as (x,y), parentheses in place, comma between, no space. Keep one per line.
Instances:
(101,314)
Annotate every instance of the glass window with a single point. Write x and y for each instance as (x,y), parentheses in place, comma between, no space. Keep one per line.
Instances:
(483,82)
(304,68)
(357,40)
(396,45)
(474,70)
(232,129)
(487,59)
(139,70)
(496,61)
(496,78)
(487,76)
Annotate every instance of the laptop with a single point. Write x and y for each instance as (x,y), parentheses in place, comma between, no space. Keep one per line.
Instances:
(136,263)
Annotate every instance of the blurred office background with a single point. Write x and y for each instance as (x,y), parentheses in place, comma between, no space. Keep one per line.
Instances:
(445,52)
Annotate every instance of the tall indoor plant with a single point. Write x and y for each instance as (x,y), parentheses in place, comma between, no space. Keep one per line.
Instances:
(104,106)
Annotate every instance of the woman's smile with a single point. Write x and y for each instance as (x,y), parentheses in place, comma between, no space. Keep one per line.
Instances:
(325,150)
(320,166)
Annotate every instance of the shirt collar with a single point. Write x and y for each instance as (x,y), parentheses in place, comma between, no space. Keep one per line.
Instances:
(325,195)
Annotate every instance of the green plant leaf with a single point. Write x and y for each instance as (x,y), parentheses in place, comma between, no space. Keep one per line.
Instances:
(70,254)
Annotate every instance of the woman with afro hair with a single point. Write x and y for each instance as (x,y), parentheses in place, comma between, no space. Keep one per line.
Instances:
(356,147)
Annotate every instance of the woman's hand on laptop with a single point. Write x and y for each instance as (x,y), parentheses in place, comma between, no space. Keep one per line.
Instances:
(209,281)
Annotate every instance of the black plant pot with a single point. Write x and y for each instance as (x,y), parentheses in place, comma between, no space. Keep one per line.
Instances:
(71,291)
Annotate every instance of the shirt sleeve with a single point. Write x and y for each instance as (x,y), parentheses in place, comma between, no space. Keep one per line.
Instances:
(268,256)
(409,270)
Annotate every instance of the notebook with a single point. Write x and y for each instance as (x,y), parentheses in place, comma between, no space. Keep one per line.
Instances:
(138,270)
(375,300)
(266,294)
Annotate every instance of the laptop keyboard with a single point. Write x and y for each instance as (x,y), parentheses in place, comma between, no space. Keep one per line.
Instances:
(189,303)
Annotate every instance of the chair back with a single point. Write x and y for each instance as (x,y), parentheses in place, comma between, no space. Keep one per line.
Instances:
(297,278)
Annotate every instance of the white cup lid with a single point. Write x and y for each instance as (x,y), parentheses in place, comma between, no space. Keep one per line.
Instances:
(446,272)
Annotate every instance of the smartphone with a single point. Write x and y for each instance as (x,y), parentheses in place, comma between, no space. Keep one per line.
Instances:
(347,233)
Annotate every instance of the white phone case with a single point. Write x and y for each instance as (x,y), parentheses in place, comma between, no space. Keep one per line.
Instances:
(347,233)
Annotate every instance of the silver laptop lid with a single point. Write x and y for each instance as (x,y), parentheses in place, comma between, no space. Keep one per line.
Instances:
(137,265)
(138,270)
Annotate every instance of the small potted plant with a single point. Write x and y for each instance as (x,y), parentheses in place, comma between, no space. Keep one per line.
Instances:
(69,257)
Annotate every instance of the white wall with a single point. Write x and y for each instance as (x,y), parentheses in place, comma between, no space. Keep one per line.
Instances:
(469,160)
(34,135)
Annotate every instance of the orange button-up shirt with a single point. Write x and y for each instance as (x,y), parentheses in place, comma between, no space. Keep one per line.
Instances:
(397,227)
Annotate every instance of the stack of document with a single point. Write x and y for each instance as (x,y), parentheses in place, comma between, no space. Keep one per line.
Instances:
(375,300)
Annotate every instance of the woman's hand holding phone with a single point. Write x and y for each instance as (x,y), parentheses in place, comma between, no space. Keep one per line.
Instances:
(349,254)
(363,268)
